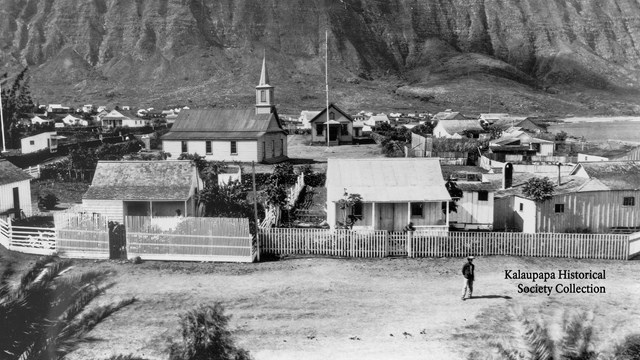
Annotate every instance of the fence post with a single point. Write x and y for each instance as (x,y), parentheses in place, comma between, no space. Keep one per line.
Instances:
(258,243)
(10,230)
(409,238)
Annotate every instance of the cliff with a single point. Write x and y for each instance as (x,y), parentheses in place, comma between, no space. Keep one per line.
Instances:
(564,55)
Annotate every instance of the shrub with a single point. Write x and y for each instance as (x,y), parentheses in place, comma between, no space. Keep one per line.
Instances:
(48,201)
(629,349)
(538,189)
(205,335)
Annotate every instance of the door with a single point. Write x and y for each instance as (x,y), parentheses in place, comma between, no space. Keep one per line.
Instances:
(117,241)
(385,216)
(333,133)
(16,200)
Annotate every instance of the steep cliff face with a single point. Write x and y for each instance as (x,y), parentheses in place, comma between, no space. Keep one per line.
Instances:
(208,51)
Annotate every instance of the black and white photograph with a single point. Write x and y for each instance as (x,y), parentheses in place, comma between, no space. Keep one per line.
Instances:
(319,179)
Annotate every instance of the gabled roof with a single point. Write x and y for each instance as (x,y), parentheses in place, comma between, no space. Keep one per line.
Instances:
(458,126)
(222,124)
(10,173)
(610,175)
(449,115)
(142,180)
(568,184)
(331,105)
(387,180)
(114,115)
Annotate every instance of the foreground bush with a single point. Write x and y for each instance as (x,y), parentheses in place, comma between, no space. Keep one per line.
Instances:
(205,335)
(44,317)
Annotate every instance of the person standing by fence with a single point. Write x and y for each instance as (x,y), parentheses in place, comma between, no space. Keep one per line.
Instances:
(468,271)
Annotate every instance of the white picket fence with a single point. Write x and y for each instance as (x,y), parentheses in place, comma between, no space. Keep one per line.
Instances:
(27,239)
(33,171)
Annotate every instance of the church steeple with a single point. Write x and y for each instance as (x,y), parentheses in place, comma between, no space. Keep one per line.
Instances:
(264,91)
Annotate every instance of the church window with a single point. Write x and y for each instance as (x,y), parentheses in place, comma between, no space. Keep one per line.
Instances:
(263,96)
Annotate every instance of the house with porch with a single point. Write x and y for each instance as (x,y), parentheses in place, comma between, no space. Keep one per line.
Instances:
(231,134)
(15,191)
(394,193)
(143,188)
(475,206)
(338,126)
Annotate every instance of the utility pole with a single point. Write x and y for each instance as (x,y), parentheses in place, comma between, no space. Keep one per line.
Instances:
(326,76)
(255,208)
(4,137)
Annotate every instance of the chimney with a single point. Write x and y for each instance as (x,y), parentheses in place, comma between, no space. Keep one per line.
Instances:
(507,176)
(559,176)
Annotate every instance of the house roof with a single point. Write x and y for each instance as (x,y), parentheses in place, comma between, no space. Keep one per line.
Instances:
(222,124)
(387,180)
(458,126)
(569,184)
(142,180)
(114,115)
(456,170)
(610,175)
(319,115)
(448,115)
(10,173)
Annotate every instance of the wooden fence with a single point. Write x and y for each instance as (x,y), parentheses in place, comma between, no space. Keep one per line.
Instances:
(81,235)
(634,244)
(369,243)
(34,171)
(27,239)
(189,239)
(349,243)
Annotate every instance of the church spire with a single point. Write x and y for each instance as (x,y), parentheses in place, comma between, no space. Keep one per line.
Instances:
(264,91)
(264,76)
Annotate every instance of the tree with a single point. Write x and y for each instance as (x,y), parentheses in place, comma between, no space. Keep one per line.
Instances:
(455,193)
(275,194)
(346,204)
(47,309)
(538,189)
(206,335)
(225,201)
(16,101)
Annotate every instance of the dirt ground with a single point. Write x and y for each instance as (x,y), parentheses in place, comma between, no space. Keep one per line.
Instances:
(320,308)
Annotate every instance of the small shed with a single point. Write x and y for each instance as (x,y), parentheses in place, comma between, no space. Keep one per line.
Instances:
(42,141)
(394,192)
(15,190)
(143,188)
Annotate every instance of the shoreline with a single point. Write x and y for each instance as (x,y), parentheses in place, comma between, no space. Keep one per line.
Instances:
(605,119)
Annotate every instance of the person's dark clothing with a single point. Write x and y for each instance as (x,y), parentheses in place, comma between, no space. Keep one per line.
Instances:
(468,271)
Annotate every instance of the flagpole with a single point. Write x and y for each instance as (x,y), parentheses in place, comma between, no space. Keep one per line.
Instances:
(4,148)
(326,76)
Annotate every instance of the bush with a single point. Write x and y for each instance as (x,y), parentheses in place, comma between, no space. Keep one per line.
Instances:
(48,201)
(629,349)
(538,189)
(205,335)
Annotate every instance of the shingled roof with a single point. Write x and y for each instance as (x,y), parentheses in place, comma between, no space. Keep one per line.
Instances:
(205,124)
(142,180)
(10,173)
(610,175)
(458,126)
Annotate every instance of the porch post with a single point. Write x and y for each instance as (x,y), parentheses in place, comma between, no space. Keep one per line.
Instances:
(151,209)
(185,209)
(446,222)
(373,215)
(408,212)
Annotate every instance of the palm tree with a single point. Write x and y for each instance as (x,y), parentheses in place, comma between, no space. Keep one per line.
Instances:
(43,316)
(571,339)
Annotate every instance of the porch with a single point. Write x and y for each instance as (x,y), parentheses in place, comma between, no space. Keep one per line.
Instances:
(158,208)
(394,216)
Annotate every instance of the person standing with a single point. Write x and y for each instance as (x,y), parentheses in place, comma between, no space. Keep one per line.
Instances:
(468,271)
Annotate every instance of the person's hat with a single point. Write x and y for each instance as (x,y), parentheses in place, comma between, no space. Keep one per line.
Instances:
(470,257)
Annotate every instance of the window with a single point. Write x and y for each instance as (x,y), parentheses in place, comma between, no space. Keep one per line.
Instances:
(356,210)
(629,201)
(263,96)
(521,206)
(559,208)
(416,210)
(32,142)
(319,129)
(273,148)
(234,148)
(332,116)
(483,195)
(281,146)
(344,129)
(184,147)
(207,145)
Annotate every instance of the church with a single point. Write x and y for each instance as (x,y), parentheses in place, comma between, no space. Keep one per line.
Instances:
(230,134)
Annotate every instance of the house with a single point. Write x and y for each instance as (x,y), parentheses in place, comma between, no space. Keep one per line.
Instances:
(394,192)
(116,118)
(143,188)
(71,120)
(15,191)
(41,121)
(58,109)
(633,154)
(599,197)
(358,117)
(339,127)
(448,115)
(231,135)
(455,129)
(475,207)
(377,120)
(514,140)
(306,116)
(46,140)
(88,108)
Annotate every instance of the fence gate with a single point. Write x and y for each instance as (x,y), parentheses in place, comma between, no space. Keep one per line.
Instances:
(117,240)
(397,244)
(82,235)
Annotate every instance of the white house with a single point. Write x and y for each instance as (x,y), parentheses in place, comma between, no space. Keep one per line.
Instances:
(15,190)
(338,127)
(377,120)
(46,140)
(57,109)
(394,192)
(515,136)
(306,116)
(115,118)
(231,135)
(143,188)
(475,206)
(71,120)
(454,129)
(41,121)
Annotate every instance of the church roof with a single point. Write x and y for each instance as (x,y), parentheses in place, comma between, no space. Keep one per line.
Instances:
(264,75)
